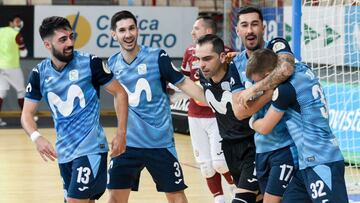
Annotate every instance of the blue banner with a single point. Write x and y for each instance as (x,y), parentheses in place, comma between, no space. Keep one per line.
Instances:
(344,107)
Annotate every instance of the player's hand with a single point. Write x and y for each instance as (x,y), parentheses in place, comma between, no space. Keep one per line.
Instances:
(118,145)
(245,96)
(45,149)
(230,56)
(170,91)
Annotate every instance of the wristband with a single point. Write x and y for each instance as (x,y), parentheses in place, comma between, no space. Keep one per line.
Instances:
(34,136)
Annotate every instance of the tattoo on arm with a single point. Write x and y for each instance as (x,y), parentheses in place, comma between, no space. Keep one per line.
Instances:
(282,72)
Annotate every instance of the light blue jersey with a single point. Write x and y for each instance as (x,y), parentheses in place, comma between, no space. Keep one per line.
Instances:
(144,79)
(279,137)
(307,118)
(73,97)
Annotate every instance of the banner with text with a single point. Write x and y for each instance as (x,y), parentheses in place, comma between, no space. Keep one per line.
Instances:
(163,27)
(344,115)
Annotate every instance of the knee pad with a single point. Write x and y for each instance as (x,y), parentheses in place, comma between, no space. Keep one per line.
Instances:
(20,94)
(246,197)
(3,93)
(207,169)
(220,166)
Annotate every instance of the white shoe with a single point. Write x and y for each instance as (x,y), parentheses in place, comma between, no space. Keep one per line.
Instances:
(2,123)
(219,199)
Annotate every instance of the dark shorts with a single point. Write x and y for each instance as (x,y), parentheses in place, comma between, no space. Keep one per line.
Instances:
(240,158)
(163,166)
(275,169)
(318,184)
(85,177)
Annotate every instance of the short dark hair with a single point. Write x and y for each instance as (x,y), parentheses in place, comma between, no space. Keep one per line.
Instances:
(50,24)
(250,9)
(217,42)
(261,61)
(124,14)
(209,22)
(12,17)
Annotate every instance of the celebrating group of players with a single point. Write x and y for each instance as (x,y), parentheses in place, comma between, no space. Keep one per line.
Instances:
(269,133)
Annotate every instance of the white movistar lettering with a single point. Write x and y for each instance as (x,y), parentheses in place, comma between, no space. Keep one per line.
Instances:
(134,97)
(220,107)
(345,120)
(67,106)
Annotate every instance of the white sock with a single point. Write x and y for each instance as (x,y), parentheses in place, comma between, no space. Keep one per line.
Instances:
(219,199)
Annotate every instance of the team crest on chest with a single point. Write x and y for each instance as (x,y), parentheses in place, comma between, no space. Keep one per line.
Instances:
(73,75)
(225,86)
(142,69)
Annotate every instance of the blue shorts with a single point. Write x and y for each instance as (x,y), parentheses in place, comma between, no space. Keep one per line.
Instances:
(163,166)
(275,169)
(318,184)
(85,177)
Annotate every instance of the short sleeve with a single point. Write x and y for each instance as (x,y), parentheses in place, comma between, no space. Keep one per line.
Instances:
(236,85)
(33,91)
(101,74)
(167,70)
(284,96)
(279,45)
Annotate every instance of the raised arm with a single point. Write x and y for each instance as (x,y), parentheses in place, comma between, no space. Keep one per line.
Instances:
(192,90)
(282,72)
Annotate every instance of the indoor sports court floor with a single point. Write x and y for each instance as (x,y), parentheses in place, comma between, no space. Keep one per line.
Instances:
(25,177)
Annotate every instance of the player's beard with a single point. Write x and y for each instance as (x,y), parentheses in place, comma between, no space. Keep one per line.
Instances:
(254,48)
(62,56)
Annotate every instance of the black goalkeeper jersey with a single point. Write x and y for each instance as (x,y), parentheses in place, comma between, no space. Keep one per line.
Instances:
(219,98)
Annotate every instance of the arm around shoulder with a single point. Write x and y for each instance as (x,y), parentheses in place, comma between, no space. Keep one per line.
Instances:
(283,70)
(192,90)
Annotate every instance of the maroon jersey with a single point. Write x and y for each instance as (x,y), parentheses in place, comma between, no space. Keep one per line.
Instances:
(190,68)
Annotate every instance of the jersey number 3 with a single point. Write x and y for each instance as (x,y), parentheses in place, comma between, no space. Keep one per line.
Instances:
(317,92)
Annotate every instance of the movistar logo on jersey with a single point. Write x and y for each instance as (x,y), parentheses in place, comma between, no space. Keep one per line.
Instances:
(65,108)
(219,106)
(134,97)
